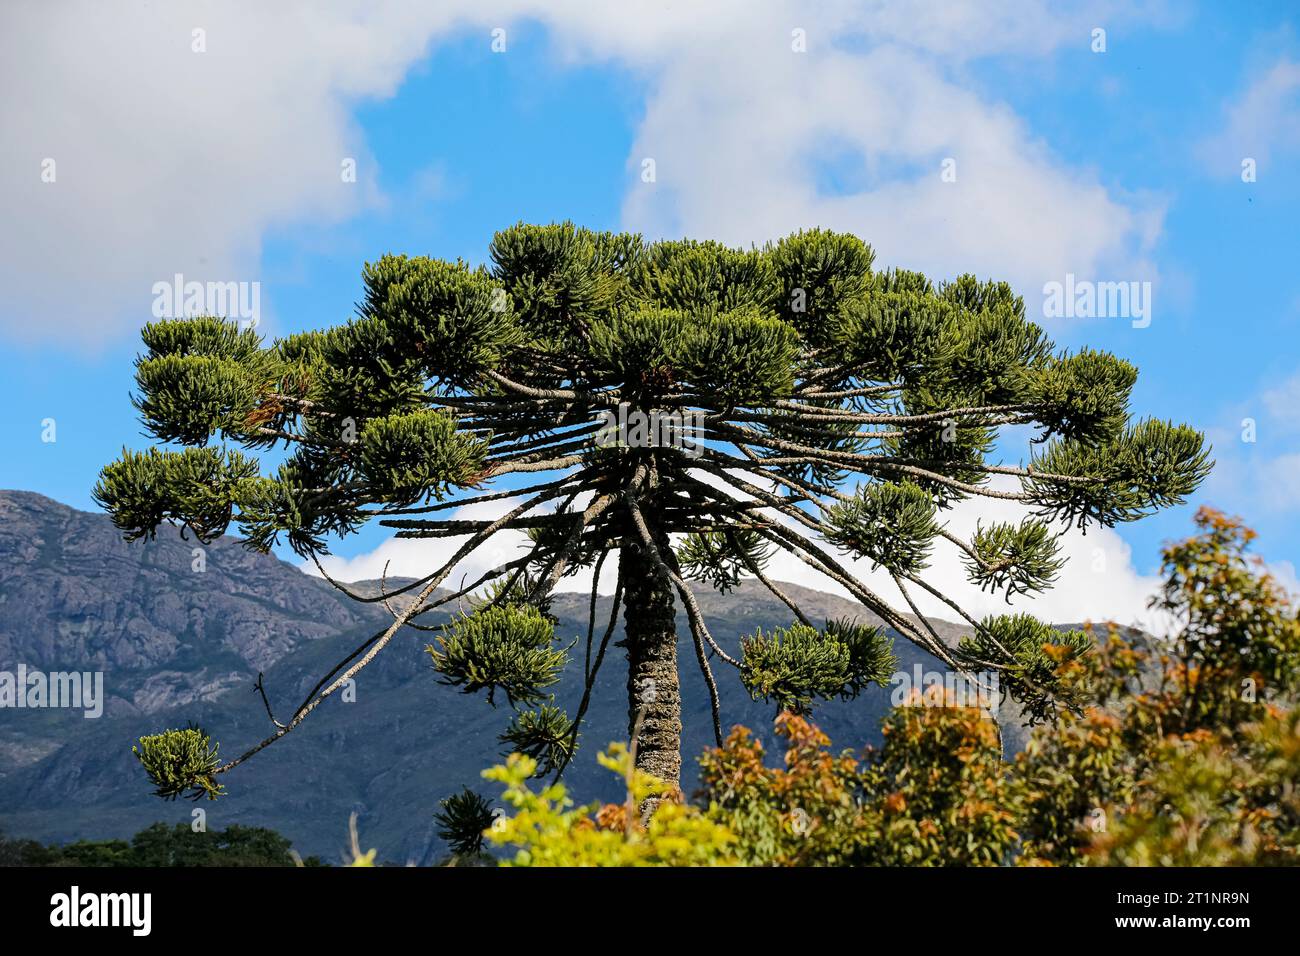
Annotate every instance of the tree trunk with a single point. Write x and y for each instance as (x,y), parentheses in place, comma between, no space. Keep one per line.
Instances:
(652,684)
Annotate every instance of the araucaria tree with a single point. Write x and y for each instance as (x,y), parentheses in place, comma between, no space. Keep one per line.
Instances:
(687,407)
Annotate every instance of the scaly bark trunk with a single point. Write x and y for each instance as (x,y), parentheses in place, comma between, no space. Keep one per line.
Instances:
(652,683)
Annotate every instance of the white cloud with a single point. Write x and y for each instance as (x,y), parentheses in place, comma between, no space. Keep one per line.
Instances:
(418,557)
(170,160)
(1282,402)
(740,164)
(1099,581)
(1260,122)
(173,161)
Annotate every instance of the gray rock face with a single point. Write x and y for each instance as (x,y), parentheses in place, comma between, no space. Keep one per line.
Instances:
(74,595)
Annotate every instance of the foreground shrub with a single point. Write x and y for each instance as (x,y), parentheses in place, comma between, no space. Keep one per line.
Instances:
(549,831)
(935,794)
(1184,756)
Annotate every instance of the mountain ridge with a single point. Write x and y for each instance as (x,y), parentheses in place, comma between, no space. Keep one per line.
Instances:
(179,644)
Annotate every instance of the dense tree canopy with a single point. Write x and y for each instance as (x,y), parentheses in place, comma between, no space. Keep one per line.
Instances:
(162,845)
(808,403)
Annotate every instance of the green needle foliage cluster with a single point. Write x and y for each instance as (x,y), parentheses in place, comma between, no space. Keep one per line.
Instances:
(462,819)
(793,666)
(546,734)
(1014,559)
(1031,654)
(841,411)
(504,647)
(407,457)
(891,524)
(180,763)
(723,559)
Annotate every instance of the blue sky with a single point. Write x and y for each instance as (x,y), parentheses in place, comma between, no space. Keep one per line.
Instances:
(222,164)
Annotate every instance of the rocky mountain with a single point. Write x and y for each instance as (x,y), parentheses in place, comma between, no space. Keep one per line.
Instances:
(180,632)
(168,621)
(185,620)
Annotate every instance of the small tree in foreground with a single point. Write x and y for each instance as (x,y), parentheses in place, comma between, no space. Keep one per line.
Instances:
(1188,753)
(935,794)
(684,406)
